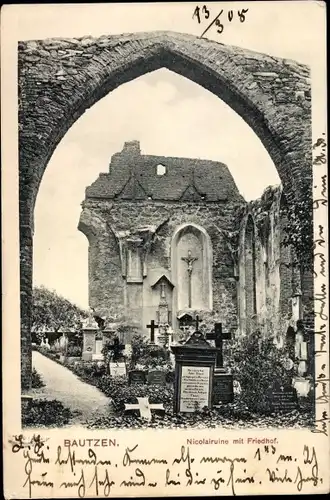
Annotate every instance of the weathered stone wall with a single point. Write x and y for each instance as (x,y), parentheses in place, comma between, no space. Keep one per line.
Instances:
(278,282)
(58,79)
(107,284)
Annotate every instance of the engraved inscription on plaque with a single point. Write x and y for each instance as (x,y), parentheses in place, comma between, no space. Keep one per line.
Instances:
(117,369)
(195,388)
(223,390)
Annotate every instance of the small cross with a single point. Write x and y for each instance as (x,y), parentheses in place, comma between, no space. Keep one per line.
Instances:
(218,336)
(116,347)
(152,327)
(144,407)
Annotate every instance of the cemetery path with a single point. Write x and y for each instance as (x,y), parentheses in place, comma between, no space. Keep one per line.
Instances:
(84,400)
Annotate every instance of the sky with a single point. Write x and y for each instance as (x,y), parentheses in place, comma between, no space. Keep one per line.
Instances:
(167,113)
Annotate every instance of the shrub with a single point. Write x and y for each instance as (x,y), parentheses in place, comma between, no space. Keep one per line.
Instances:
(36,381)
(89,371)
(109,353)
(122,393)
(257,363)
(149,355)
(128,394)
(74,351)
(45,413)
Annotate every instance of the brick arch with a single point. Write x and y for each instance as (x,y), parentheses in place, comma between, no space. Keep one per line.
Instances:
(59,79)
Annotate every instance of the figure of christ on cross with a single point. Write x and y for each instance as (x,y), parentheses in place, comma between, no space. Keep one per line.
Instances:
(189,260)
(152,327)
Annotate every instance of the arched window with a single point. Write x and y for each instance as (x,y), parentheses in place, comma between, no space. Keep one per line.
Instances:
(250,274)
(191,261)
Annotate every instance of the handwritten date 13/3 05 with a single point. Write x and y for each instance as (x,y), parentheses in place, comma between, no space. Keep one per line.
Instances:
(204,14)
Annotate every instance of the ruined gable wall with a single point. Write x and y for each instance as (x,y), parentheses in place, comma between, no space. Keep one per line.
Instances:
(107,286)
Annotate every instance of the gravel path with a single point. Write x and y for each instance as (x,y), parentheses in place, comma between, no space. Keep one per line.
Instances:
(84,400)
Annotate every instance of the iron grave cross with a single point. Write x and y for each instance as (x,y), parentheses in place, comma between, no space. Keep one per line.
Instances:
(218,336)
(189,260)
(152,327)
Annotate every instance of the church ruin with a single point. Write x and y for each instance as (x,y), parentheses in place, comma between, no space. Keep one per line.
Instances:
(170,238)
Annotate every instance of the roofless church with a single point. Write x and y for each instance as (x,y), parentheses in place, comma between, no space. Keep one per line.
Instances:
(154,226)
(172,238)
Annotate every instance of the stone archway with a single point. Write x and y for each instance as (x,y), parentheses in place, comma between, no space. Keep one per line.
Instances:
(60,78)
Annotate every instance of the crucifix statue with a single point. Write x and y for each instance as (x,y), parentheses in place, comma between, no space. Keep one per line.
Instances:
(189,260)
(218,336)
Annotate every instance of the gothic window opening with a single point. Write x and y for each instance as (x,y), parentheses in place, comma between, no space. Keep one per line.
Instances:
(161,170)
(250,274)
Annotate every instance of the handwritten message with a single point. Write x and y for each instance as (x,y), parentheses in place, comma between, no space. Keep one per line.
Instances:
(105,467)
(203,15)
(320,204)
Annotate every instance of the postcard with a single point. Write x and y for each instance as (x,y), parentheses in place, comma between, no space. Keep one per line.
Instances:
(165,249)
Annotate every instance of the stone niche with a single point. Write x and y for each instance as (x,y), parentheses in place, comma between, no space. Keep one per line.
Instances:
(191,261)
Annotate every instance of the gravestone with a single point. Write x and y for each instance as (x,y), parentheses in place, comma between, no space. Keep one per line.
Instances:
(223,384)
(137,377)
(194,367)
(88,345)
(282,398)
(90,329)
(97,355)
(157,377)
(223,388)
(117,369)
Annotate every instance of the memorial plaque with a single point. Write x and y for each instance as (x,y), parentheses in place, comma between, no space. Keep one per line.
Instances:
(117,369)
(137,377)
(98,356)
(157,377)
(194,388)
(223,388)
(283,399)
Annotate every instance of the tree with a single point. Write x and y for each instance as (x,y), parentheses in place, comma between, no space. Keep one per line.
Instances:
(51,312)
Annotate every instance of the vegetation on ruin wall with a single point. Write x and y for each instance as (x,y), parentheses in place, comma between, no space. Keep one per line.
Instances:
(299,217)
(299,214)
(300,225)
